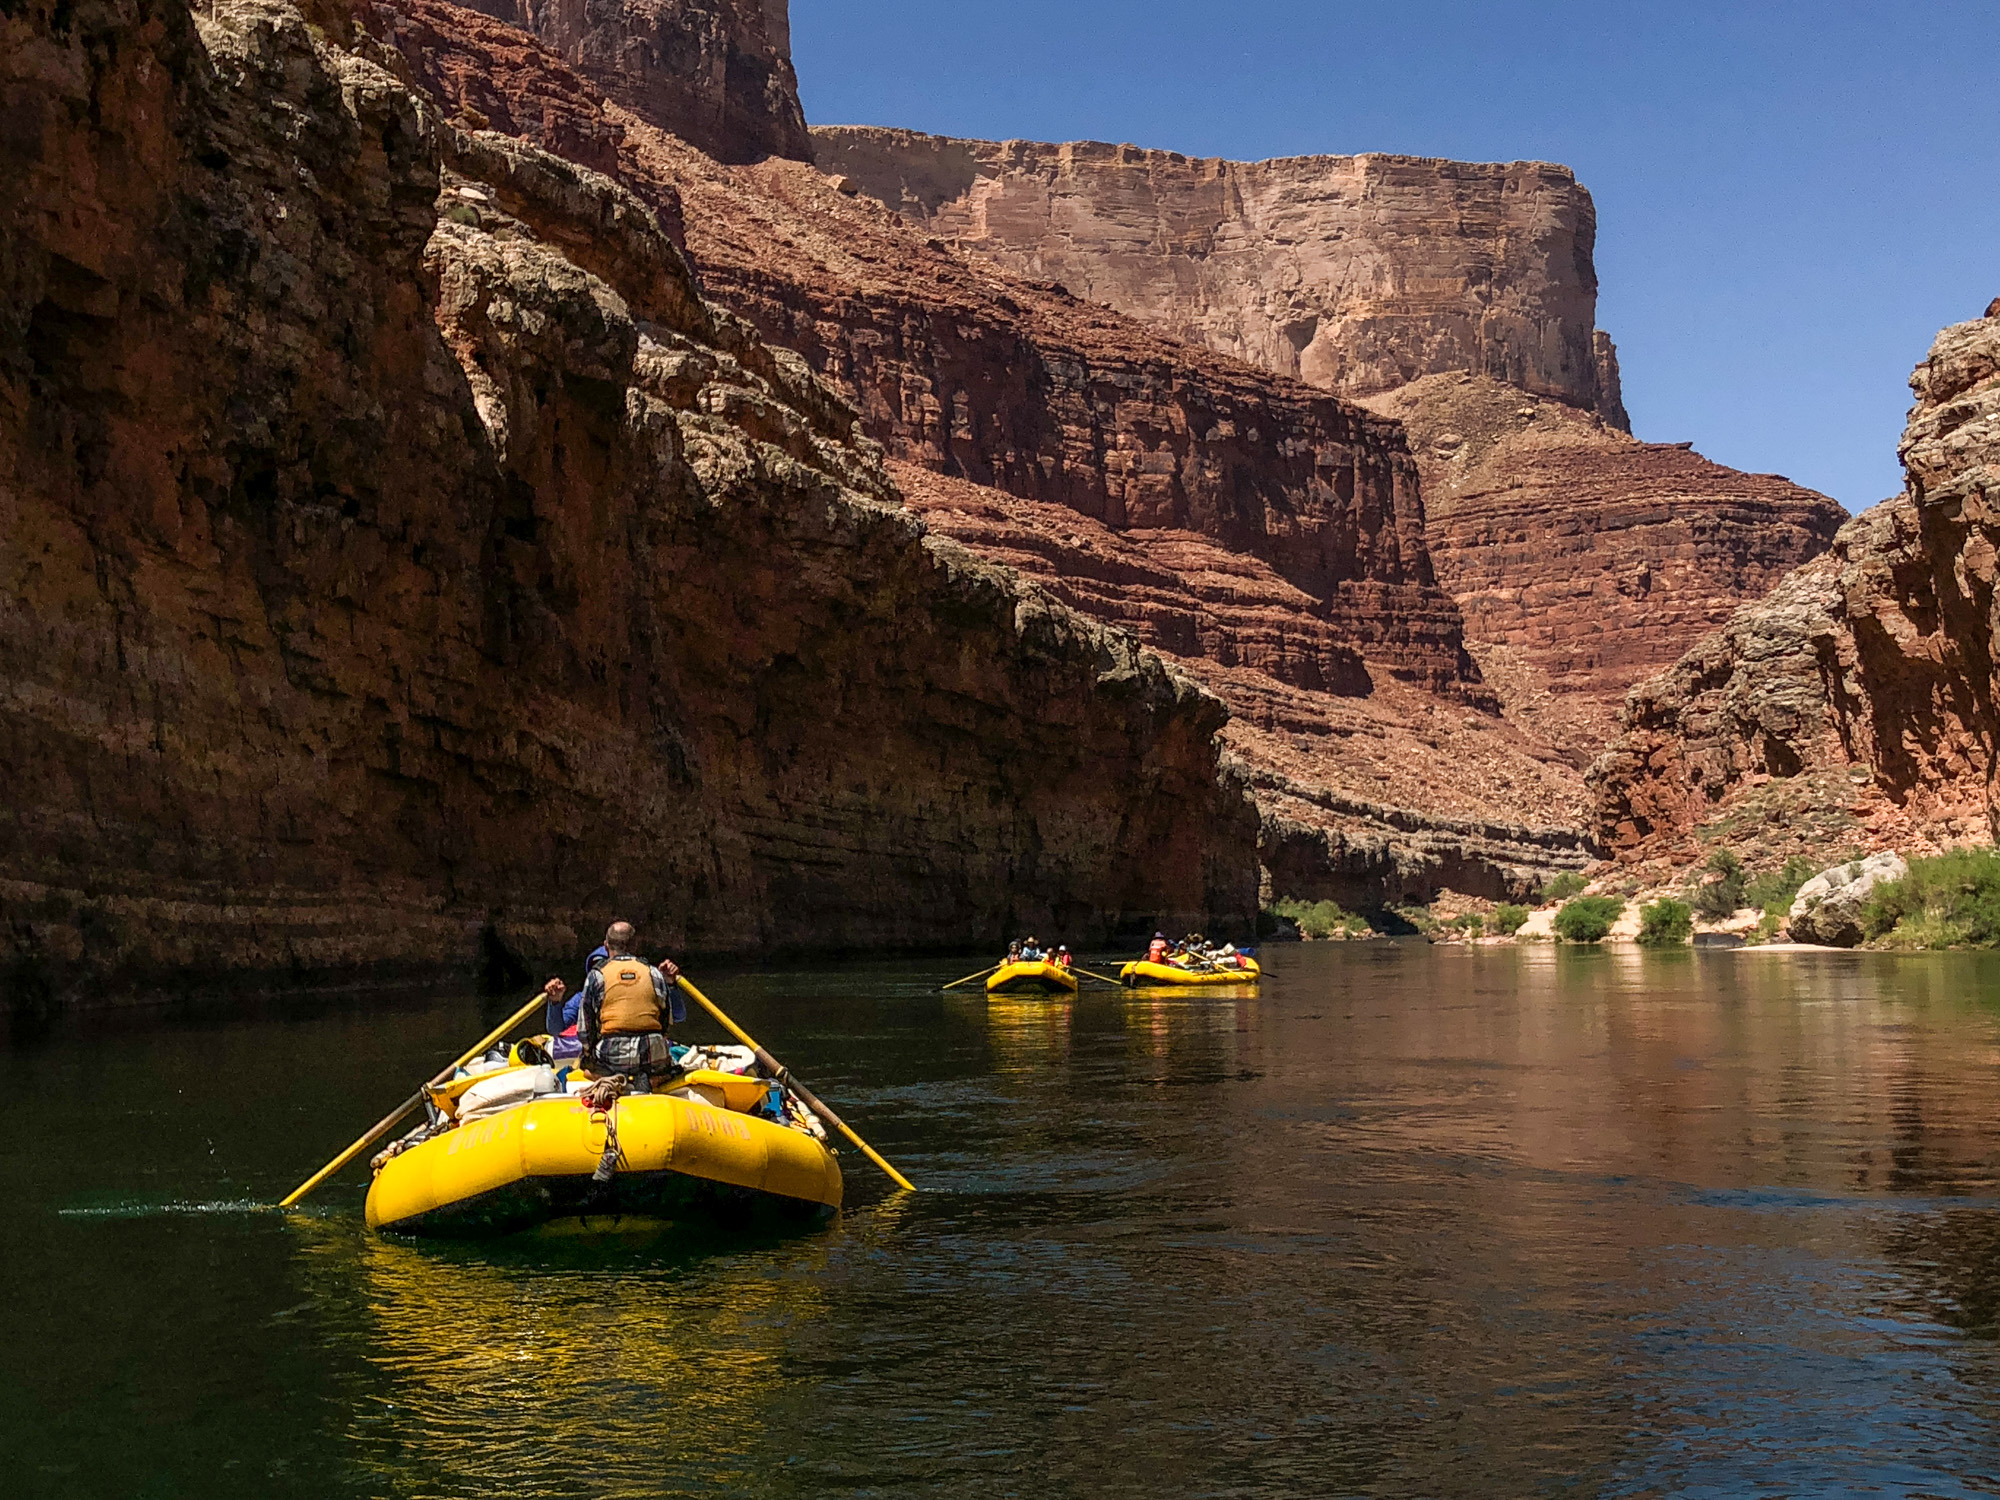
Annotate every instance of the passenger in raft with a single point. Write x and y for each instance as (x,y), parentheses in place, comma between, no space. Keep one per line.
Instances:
(1063,960)
(628,1005)
(1156,951)
(559,1007)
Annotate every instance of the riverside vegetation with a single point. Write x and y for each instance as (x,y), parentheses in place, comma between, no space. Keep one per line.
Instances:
(1950,901)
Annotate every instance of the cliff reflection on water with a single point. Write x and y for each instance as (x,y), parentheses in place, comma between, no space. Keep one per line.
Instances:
(1408,1221)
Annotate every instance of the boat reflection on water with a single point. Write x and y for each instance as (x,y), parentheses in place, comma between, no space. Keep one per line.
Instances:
(1200,1024)
(1029,1034)
(642,1354)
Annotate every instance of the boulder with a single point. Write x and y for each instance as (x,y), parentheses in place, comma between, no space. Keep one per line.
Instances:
(1828,907)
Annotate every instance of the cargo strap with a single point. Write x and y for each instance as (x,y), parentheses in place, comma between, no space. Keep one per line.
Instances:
(601,1099)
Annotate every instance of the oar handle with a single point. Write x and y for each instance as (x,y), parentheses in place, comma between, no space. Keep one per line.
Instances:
(777,1070)
(390,1121)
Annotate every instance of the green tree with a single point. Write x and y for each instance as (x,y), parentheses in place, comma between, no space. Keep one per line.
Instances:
(1772,891)
(1722,893)
(1588,919)
(1665,923)
(1563,886)
(1507,919)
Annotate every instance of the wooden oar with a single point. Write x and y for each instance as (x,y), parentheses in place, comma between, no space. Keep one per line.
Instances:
(970,977)
(777,1070)
(390,1121)
(1103,978)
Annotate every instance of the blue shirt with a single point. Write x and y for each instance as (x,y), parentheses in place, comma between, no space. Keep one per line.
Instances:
(558,1019)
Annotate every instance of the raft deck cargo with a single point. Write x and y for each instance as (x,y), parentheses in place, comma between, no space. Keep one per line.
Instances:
(1038,976)
(1236,970)
(522,1153)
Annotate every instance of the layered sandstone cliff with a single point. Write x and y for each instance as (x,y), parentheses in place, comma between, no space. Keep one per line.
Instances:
(1355,273)
(1268,535)
(1368,798)
(716,73)
(1582,559)
(400,549)
(1854,704)
(1459,299)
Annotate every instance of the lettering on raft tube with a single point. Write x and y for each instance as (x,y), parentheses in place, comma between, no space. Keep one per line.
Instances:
(466,1137)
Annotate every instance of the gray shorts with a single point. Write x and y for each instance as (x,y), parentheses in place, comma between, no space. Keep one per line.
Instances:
(640,1055)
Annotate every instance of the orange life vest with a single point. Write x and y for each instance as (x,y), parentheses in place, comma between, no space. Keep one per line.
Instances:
(631,1005)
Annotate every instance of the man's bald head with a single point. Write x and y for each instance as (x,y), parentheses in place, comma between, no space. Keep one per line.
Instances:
(618,937)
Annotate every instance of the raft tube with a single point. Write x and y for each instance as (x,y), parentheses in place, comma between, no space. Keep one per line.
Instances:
(531,1163)
(1143,972)
(1041,975)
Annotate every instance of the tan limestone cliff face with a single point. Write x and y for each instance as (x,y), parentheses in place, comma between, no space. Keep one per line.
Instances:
(1265,534)
(1355,273)
(1852,707)
(716,73)
(401,549)
(1582,559)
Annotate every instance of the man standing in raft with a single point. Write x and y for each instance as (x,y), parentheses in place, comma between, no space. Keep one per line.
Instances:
(627,1006)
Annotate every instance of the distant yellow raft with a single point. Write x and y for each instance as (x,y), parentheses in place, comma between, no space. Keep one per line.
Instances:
(1143,972)
(1041,975)
(533,1162)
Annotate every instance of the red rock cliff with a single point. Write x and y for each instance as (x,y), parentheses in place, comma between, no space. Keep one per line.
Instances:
(1854,704)
(716,73)
(1582,559)
(400,548)
(1276,542)
(1356,273)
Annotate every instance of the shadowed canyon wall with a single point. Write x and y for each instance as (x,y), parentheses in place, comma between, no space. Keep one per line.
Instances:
(1854,704)
(401,549)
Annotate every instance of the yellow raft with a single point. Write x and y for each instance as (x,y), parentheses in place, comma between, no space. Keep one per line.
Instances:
(1050,978)
(1142,972)
(534,1161)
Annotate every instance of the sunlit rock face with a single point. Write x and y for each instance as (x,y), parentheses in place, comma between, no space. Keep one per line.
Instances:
(1582,559)
(1354,273)
(716,73)
(1266,534)
(1865,679)
(407,562)
(1458,299)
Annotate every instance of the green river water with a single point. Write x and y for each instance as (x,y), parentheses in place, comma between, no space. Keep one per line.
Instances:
(1412,1221)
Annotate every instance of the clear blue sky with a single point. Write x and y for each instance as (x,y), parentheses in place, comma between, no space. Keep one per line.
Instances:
(1791,198)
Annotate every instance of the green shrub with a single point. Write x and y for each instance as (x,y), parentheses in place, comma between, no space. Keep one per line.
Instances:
(1723,892)
(1665,923)
(1588,919)
(1772,891)
(1952,901)
(1320,919)
(1564,886)
(1507,919)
